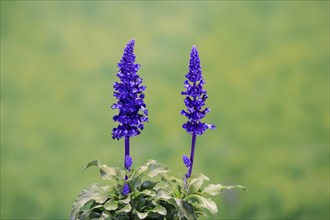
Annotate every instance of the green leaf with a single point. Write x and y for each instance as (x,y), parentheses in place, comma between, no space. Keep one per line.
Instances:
(111,205)
(109,173)
(126,200)
(137,173)
(155,168)
(162,194)
(196,182)
(126,208)
(159,209)
(186,209)
(105,215)
(136,182)
(141,215)
(147,185)
(104,191)
(172,184)
(136,177)
(140,203)
(93,206)
(202,202)
(148,192)
(89,215)
(140,171)
(235,187)
(161,185)
(145,192)
(171,209)
(215,189)
(94,192)
(91,163)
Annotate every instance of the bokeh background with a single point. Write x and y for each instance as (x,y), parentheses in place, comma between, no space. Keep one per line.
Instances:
(267,70)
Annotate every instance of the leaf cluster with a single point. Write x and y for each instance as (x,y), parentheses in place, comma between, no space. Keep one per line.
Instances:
(154,195)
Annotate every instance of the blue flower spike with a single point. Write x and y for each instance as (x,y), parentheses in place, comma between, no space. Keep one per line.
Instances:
(130,101)
(186,161)
(130,96)
(126,189)
(195,102)
(128,162)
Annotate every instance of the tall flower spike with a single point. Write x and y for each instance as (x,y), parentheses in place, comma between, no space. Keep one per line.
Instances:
(196,97)
(129,93)
(194,101)
(132,109)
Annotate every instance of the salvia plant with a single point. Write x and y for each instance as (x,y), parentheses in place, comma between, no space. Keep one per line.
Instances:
(149,191)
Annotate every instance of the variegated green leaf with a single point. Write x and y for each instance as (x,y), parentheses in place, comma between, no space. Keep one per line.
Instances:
(140,171)
(155,168)
(186,209)
(162,194)
(94,192)
(126,208)
(92,163)
(105,215)
(109,173)
(196,182)
(126,200)
(135,182)
(159,209)
(141,215)
(202,202)
(111,205)
(215,189)
(148,185)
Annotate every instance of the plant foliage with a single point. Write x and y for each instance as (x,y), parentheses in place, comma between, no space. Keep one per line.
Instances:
(154,195)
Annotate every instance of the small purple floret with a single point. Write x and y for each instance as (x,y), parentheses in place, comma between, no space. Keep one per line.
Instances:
(128,162)
(129,93)
(126,189)
(195,97)
(186,161)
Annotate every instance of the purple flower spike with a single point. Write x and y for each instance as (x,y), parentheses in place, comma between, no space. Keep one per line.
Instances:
(126,189)
(194,101)
(186,161)
(196,97)
(128,162)
(129,93)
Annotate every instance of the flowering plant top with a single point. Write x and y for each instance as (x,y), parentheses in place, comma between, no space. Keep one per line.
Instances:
(196,97)
(129,93)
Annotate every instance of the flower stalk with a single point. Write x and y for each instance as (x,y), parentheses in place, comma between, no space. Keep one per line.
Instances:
(192,154)
(132,109)
(126,152)
(194,101)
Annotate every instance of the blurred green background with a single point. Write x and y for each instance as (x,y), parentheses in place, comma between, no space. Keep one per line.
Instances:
(267,69)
